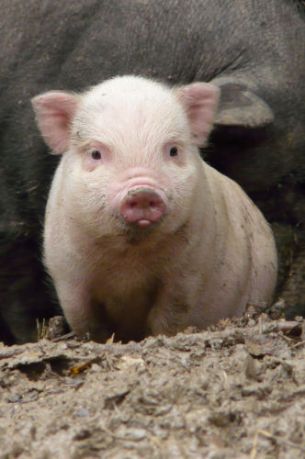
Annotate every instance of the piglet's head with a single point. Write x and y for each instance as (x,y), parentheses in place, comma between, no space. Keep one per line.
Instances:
(130,150)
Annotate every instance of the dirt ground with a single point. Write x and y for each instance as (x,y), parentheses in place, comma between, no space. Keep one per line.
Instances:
(234,391)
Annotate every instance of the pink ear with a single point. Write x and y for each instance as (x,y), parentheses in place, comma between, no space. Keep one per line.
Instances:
(54,112)
(200,103)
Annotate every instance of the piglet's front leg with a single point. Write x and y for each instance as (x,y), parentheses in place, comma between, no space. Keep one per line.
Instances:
(84,316)
(171,311)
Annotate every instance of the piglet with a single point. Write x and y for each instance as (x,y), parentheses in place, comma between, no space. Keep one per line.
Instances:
(141,236)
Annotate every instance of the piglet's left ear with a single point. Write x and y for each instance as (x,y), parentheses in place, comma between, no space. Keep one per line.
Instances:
(55,111)
(200,102)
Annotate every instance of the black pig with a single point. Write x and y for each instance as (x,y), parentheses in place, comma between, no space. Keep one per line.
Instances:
(254,50)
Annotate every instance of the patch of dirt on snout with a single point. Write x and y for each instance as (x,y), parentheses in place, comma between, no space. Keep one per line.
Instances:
(234,391)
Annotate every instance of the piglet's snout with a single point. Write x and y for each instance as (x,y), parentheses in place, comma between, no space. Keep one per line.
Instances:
(143,207)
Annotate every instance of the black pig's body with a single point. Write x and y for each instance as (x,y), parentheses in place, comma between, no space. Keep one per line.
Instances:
(253,49)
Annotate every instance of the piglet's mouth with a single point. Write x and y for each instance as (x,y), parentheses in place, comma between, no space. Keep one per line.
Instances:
(143,207)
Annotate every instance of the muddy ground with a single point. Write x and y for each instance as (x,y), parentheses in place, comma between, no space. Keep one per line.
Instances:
(234,391)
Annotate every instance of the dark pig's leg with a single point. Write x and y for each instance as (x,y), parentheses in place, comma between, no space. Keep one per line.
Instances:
(24,291)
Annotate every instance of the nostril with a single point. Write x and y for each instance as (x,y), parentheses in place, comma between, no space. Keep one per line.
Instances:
(143,201)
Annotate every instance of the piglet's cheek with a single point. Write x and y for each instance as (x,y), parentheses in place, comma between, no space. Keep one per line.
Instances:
(89,164)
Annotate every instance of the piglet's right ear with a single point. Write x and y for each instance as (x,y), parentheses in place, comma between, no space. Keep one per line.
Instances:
(200,103)
(54,112)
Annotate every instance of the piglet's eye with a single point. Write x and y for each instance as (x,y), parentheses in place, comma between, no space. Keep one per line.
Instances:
(96,154)
(173,151)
